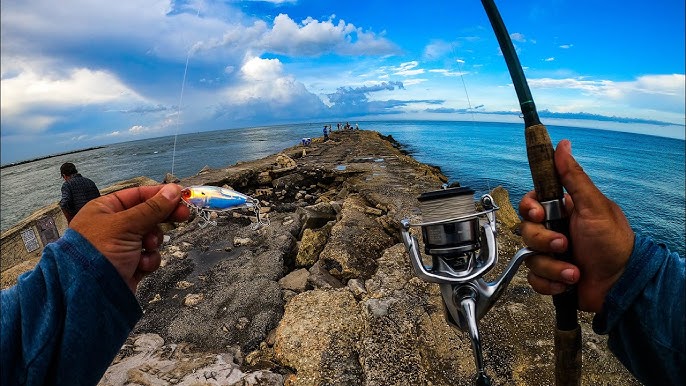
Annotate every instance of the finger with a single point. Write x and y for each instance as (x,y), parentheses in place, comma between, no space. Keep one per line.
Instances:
(539,238)
(545,286)
(577,183)
(548,268)
(145,215)
(153,239)
(181,213)
(530,209)
(149,262)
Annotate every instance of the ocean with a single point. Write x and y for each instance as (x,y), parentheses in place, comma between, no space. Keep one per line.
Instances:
(643,174)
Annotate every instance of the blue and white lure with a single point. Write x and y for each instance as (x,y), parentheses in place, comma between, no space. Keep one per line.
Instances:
(207,199)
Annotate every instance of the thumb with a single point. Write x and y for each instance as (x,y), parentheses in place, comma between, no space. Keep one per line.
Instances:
(154,210)
(577,183)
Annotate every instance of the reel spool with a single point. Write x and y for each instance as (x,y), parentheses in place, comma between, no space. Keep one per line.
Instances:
(450,242)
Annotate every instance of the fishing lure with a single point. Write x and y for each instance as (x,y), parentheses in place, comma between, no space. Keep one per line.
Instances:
(207,199)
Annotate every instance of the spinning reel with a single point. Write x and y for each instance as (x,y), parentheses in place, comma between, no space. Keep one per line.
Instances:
(462,246)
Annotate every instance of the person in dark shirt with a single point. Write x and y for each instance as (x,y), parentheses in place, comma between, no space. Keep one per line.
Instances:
(77,190)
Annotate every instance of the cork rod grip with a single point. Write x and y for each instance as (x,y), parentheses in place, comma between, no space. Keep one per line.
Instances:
(540,151)
(568,357)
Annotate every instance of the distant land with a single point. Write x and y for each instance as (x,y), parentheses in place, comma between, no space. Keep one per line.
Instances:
(50,156)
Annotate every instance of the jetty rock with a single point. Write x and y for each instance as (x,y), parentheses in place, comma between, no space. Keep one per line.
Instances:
(325,294)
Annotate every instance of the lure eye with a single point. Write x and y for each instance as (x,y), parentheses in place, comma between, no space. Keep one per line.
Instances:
(186,193)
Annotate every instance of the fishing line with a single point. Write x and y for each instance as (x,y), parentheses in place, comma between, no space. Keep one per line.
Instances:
(178,109)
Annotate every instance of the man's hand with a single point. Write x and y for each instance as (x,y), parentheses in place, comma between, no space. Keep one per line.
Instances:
(123,226)
(601,238)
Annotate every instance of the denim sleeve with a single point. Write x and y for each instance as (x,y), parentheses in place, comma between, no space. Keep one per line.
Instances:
(645,316)
(64,322)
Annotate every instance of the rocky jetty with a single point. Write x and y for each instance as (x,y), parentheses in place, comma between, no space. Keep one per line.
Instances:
(325,294)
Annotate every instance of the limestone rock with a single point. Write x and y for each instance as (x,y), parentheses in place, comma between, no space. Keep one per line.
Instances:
(295,281)
(356,241)
(311,245)
(506,214)
(170,179)
(319,336)
(321,278)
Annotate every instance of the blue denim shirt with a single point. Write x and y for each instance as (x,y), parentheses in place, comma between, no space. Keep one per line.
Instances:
(645,316)
(64,322)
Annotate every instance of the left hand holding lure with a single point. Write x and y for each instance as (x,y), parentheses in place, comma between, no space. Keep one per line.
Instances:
(208,199)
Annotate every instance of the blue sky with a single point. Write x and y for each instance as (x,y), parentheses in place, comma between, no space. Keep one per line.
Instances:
(77,74)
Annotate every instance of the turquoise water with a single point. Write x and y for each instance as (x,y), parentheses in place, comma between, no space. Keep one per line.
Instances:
(643,174)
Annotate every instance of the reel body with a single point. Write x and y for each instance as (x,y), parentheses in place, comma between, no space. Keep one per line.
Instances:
(462,245)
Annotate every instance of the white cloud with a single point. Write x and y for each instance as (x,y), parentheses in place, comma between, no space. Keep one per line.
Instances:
(550,59)
(407,69)
(448,73)
(137,129)
(518,37)
(567,46)
(257,69)
(313,38)
(412,82)
(640,98)
(36,89)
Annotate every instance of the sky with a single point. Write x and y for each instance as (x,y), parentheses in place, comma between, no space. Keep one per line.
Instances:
(77,74)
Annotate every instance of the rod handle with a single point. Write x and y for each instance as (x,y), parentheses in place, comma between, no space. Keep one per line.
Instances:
(568,357)
(539,150)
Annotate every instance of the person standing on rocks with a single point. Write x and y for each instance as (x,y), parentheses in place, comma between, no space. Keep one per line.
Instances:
(77,190)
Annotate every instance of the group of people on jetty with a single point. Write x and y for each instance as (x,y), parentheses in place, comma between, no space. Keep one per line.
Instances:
(327,129)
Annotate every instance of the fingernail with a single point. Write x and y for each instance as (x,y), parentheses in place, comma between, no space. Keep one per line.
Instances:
(557,245)
(169,192)
(532,213)
(568,275)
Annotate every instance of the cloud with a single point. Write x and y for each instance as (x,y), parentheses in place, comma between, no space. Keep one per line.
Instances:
(550,59)
(407,69)
(313,38)
(448,73)
(355,100)
(518,37)
(29,92)
(567,46)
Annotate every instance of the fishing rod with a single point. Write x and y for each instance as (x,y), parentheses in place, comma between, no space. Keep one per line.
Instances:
(462,242)
(550,194)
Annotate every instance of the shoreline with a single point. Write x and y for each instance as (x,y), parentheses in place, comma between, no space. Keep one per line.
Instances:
(50,156)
